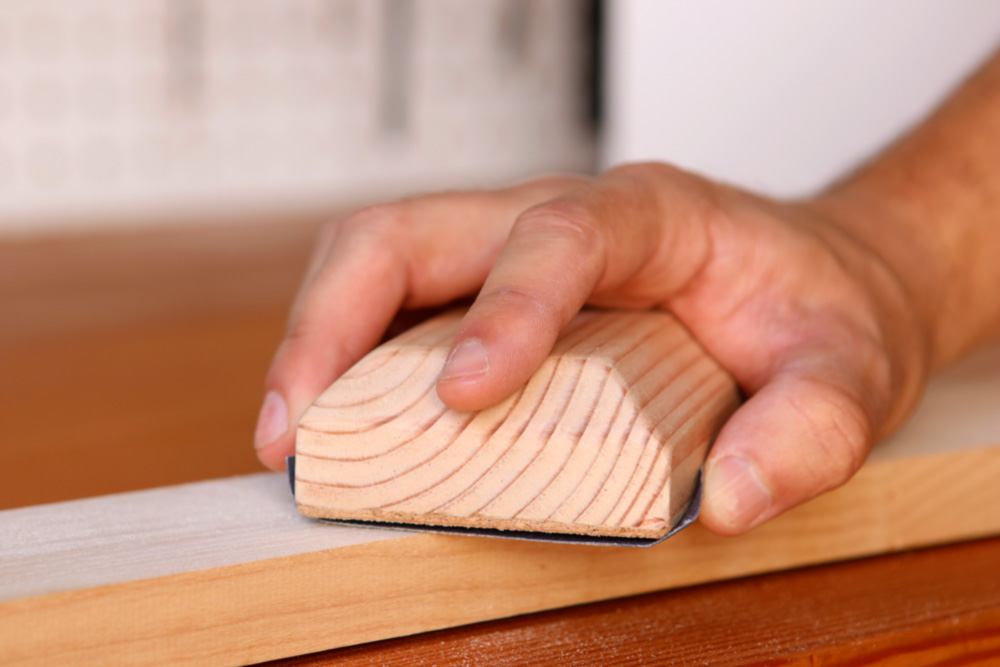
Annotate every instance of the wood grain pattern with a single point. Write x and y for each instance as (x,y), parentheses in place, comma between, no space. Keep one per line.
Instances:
(605,439)
(228,572)
(936,607)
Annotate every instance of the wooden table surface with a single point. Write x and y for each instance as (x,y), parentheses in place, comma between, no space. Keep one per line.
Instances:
(136,360)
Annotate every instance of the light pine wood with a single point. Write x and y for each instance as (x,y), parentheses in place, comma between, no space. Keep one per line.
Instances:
(926,608)
(228,572)
(606,439)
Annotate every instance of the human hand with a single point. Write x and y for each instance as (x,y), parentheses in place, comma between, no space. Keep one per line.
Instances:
(815,323)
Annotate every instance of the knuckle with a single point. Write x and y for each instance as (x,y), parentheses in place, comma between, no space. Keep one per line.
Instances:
(518,299)
(532,318)
(649,173)
(643,170)
(375,238)
(301,331)
(653,178)
(567,220)
(841,433)
(537,311)
(376,223)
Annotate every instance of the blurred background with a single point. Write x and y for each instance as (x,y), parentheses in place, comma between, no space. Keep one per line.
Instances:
(166,164)
(148,111)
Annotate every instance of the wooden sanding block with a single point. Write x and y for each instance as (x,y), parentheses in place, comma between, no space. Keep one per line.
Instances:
(604,443)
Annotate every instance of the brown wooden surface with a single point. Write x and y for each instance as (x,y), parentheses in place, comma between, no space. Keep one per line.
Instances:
(105,326)
(138,360)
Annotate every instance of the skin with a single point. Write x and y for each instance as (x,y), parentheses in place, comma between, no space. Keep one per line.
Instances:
(829,311)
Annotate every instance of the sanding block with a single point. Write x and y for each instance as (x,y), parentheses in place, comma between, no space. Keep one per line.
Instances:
(604,444)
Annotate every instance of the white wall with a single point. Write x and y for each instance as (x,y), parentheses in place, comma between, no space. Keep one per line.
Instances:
(781,95)
(157,110)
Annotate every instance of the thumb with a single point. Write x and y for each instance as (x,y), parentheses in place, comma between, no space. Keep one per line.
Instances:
(806,431)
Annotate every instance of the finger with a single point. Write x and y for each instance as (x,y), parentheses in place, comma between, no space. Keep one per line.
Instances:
(804,433)
(616,242)
(312,354)
(414,253)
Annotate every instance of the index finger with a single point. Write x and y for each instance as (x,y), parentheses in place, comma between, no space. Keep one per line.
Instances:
(630,239)
(415,253)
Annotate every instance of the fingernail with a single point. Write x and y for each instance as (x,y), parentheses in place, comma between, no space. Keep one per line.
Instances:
(467,360)
(273,420)
(737,492)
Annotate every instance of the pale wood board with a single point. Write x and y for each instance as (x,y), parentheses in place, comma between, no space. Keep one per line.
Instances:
(606,438)
(227,572)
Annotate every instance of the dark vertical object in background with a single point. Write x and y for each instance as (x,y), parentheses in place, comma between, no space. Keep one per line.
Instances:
(397,58)
(515,23)
(185,42)
(594,69)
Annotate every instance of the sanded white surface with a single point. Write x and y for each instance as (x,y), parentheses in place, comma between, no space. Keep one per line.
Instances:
(144,534)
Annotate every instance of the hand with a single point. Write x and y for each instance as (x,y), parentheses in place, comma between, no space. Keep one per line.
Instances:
(816,326)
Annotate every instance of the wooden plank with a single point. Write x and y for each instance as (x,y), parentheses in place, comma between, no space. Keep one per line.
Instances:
(228,572)
(606,439)
(938,606)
